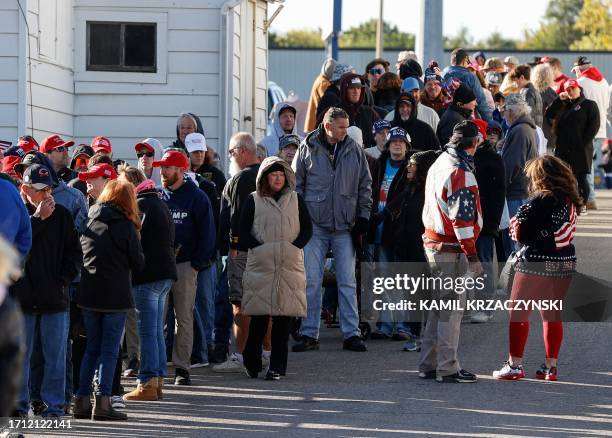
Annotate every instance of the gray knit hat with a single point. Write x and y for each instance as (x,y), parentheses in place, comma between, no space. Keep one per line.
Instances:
(340,70)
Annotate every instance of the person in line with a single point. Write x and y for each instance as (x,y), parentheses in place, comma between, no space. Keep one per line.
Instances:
(200,161)
(576,125)
(151,285)
(352,92)
(54,261)
(111,252)
(332,96)
(56,150)
(423,137)
(542,81)
(559,77)
(433,95)
(380,130)
(462,108)
(389,87)
(274,228)
(288,146)
(147,151)
(521,76)
(186,124)
(453,220)
(546,226)
(283,123)
(319,86)
(332,175)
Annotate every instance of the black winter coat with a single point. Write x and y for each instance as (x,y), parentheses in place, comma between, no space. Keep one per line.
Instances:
(491,179)
(330,98)
(53,262)
(397,185)
(157,240)
(422,136)
(576,124)
(111,251)
(453,115)
(212,174)
(406,212)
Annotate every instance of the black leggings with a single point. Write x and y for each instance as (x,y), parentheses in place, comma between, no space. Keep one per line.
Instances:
(583,186)
(280,339)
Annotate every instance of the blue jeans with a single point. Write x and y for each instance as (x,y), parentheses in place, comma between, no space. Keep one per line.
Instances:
(223,311)
(104,331)
(52,330)
(387,320)
(341,245)
(204,313)
(485,247)
(150,299)
(513,206)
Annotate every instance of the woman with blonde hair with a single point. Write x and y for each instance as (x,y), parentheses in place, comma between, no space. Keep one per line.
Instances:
(545,226)
(542,79)
(111,252)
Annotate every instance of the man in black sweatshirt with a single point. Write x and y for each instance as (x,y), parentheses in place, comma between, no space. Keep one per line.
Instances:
(53,263)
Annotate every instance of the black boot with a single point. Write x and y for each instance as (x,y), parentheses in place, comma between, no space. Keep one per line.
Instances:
(103,411)
(82,407)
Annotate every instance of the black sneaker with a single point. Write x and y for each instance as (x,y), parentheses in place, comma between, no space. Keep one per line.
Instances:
(354,343)
(462,376)
(272,375)
(19,414)
(132,368)
(182,377)
(38,407)
(306,343)
(431,374)
(220,354)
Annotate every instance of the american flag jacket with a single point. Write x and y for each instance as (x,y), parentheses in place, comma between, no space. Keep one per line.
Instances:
(545,225)
(452,212)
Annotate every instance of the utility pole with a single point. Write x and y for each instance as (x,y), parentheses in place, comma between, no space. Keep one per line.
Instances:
(379,31)
(429,36)
(337,28)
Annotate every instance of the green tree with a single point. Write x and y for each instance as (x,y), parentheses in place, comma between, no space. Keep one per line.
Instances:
(364,35)
(462,39)
(558,28)
(296,38)
(596,24)
(497,42)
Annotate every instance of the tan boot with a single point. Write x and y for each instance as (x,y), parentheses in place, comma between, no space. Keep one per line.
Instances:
(160,385)
(146,392)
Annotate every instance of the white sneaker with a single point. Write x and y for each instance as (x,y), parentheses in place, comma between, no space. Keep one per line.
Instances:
(231,365)
(508,372)
(480,317)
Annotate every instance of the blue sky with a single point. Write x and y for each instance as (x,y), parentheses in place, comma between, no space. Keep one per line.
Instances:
(480,16)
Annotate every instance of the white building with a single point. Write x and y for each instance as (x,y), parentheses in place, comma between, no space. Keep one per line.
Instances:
(125,69)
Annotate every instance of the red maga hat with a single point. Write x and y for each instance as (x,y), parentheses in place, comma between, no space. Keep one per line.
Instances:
(173,158)
(100,169)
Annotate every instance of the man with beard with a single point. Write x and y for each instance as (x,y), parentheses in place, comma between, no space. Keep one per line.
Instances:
(195,247)
(244,166)
(462,108)
(422,135)
(352,91)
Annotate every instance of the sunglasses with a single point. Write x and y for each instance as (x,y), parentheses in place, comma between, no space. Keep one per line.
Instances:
(81,162)
(376,71)
(61,149)
(145,154)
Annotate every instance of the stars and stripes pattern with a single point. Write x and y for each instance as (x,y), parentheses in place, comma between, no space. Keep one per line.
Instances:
(563,223)
(565,233)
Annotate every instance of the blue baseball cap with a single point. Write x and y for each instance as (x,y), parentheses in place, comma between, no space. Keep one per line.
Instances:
(379,125)
(398,133)
(410,84)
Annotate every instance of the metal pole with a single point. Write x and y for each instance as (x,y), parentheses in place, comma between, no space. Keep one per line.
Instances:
(379,31)
(337,28)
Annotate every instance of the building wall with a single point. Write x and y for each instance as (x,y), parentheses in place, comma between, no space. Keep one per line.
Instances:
(9,70)
(296,69)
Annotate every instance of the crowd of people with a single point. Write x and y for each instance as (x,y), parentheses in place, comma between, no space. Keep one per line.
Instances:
(132,270)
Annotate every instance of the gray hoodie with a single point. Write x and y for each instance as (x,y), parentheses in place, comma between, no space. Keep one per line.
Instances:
(271,141)
(520,146)
(156,174)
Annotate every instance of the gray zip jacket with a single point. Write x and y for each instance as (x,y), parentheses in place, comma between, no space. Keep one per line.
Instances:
(335,195)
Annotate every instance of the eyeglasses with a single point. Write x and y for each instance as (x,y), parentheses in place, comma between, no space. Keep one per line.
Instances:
(233,151)
(376,71)
(145,154)
(60,149)
(81,162)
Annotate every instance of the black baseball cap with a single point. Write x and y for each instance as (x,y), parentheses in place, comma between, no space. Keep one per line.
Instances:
(37,176)
(29,159)
(466,129)
(581,60)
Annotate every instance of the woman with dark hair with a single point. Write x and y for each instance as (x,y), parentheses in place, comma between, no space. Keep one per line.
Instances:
(274,228)
(111,251)
(545,226)
(388,90)
(576,121)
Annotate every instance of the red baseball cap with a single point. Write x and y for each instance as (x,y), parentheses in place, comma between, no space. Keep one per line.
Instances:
(101,144)
(482,127)
(173,158)
(27,143)
(52,142)
(571,83)
(8,164)
(100,169)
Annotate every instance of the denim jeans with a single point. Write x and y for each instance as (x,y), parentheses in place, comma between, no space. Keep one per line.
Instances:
(595,169)
(104,331)
(223,311)
(204,313)
(388,320)
(150,299)
(315,251)
(52,330)
(485,247)
(513,206)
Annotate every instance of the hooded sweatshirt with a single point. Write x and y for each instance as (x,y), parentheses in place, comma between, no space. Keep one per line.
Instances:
(178,143)
(316,93)
(422,136)
(596,88)
(156,173)
(519,146)
(271,141)
(360,115)
(466,78)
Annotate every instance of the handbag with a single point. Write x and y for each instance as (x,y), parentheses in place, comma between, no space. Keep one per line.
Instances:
(506,276)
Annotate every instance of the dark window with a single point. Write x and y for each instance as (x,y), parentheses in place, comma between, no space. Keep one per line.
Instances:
(121,47)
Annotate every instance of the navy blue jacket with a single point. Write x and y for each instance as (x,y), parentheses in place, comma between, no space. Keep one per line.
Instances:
(194,224)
